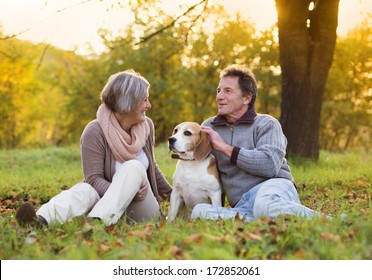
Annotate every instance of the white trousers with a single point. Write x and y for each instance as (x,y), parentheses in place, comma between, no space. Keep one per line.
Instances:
(82,198)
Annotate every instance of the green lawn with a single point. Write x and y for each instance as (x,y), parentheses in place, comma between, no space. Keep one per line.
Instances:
(338,183)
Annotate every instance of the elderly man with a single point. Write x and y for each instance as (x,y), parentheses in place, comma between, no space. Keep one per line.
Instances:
(250,153)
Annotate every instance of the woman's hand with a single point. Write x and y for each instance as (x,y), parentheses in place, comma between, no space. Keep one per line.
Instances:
(142,192)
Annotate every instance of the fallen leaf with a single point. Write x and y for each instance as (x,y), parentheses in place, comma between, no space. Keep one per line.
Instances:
(194,238)
(144,234)
(8,202)
(299,254)
(139,234)
(162,222)
(351,234)
(249,235)
(253,236)
(148,230)
(119,244)
(103,248)
(268,220)
(110,228)
(88,243)
(363,183)
(329,236)
(241,252)
(87,231)
(176,252)
(34,200)
(221,239)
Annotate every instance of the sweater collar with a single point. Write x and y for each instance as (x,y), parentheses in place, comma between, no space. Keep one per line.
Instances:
(248,117)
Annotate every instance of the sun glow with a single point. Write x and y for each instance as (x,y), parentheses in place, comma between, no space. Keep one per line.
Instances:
(74,24)
(311,6)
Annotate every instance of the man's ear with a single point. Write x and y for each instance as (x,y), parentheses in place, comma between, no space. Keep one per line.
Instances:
(203,148)
(247,99)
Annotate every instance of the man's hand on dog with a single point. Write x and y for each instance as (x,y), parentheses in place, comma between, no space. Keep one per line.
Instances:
(217,142)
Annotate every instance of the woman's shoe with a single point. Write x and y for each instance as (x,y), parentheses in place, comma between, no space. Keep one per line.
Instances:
(26,215)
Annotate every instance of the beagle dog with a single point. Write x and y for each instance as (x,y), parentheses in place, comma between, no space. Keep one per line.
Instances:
(196,178)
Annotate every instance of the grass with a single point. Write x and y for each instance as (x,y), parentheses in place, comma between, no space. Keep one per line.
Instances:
(338,183)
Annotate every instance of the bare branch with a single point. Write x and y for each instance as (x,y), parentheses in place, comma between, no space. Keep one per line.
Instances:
(13,35)
(7,55)
(195,20)
(42,56)
(171,24)
(72,6)
(58,11)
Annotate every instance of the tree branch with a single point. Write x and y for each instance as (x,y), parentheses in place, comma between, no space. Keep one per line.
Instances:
(42,57)
(171,24)
(72,6)
(7,55)
(13,35)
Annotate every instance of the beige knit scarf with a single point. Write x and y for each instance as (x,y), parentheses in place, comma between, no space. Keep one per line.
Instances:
(124,146)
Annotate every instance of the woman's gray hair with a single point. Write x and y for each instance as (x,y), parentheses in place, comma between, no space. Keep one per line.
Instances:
(124,91)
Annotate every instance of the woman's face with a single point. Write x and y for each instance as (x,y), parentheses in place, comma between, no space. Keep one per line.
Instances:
(139,113)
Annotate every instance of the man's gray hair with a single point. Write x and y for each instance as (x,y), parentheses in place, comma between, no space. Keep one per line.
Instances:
(246,79)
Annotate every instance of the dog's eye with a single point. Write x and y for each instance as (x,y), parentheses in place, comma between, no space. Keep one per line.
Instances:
(187,133)
(175,131)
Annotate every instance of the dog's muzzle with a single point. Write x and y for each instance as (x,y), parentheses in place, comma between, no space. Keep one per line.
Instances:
(171,141)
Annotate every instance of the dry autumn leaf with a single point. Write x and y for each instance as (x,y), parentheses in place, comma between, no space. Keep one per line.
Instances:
(103,248)
(329,236)
(148,230)
(176,252)
(253,236)
(195,238)
(144,234)
(249,235)
(139,234)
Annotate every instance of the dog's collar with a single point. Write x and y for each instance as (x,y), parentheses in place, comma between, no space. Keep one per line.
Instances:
(175,156)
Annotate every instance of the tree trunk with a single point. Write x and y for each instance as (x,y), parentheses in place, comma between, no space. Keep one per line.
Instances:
(307,42)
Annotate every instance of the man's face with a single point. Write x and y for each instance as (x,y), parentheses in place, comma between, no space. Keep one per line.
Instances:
(230,100)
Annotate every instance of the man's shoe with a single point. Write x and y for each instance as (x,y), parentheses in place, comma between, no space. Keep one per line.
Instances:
(26,215)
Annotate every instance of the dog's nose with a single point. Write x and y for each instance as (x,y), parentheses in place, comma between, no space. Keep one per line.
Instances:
(171,140)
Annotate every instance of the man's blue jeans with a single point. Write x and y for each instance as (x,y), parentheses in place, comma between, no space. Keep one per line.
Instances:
(270,198)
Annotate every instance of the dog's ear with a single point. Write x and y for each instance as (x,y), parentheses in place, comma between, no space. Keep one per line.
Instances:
(203,147)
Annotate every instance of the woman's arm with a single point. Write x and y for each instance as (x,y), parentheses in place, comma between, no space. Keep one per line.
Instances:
(93,155)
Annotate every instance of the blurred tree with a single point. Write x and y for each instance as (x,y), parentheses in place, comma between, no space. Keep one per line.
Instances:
(182,62)
(15,79)
(48,95)
(34,85)
(266,67)
(347,114)
(156,58)
(81,83)
(307,38)
(209,51)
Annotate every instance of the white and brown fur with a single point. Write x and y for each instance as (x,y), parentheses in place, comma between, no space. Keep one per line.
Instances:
(196,178)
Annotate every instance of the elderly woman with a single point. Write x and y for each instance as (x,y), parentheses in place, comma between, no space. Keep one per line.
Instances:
(117,150)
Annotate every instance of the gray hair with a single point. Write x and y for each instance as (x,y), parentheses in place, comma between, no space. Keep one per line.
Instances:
(246,79)
(124,91)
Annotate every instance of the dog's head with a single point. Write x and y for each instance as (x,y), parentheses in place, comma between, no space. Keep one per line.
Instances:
(188,141)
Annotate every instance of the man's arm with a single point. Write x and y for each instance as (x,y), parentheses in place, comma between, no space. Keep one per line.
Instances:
(265,160)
